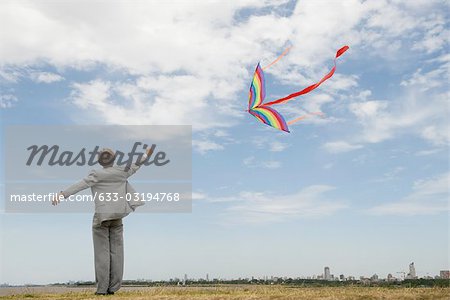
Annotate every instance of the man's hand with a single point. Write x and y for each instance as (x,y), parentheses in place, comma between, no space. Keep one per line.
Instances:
(56,198)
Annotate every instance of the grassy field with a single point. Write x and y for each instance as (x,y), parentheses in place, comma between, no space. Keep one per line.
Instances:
(245,292)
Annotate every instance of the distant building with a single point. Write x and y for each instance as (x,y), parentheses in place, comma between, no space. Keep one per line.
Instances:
(374,277)
(390,277)
(412,272)
(444,274)
(364,280)
(207,277)
(326,273)
(341,277)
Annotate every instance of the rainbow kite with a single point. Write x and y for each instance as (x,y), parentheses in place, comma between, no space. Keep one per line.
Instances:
(263,111)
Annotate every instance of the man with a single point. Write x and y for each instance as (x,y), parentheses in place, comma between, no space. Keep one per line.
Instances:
(109,187)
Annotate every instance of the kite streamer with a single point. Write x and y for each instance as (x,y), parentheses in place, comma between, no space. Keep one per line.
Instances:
(305,117)
(262,111)
(278,58)
(313,86)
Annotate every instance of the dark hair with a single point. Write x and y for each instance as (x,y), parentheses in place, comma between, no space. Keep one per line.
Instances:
(106,157)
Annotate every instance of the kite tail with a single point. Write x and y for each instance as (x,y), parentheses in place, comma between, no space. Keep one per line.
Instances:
(305,117)
(278,58)
(311,87)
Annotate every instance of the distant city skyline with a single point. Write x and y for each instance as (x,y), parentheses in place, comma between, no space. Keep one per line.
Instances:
(326,276)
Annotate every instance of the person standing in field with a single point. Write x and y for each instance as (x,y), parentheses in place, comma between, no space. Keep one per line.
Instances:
(107,228)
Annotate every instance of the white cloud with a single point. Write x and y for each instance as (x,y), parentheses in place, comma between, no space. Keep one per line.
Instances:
(180,61)
(10,74)
(189,59)
(419,109)
(13,74)
(198,196)
(249,161)
(45,77)
(391,174)
(395,25)
(271,164)
(277,146)
(400,21)
(340,146)
(377,126)
(7,100)
(368,109)
(429,196)
(328,166)
(93,95)
(149,102)
(428,152)
(204,146)
(252,162)
(437,135)
(271,145)
(257,207)
(429,80)
(415,112)
(436,34)
(221,133)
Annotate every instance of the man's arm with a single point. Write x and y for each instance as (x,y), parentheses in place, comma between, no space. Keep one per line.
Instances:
(85,183)
(134,167)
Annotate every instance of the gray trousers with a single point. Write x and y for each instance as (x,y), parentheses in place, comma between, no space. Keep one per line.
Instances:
(108,254)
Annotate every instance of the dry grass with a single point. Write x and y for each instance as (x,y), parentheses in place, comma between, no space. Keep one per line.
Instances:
(250,292)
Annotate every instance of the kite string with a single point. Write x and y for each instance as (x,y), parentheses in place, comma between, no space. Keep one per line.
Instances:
(278,58)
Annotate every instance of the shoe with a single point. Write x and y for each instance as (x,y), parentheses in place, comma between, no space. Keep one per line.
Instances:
(101,294)
(110,293)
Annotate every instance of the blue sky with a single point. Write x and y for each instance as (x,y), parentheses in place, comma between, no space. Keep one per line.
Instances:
(363,190)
